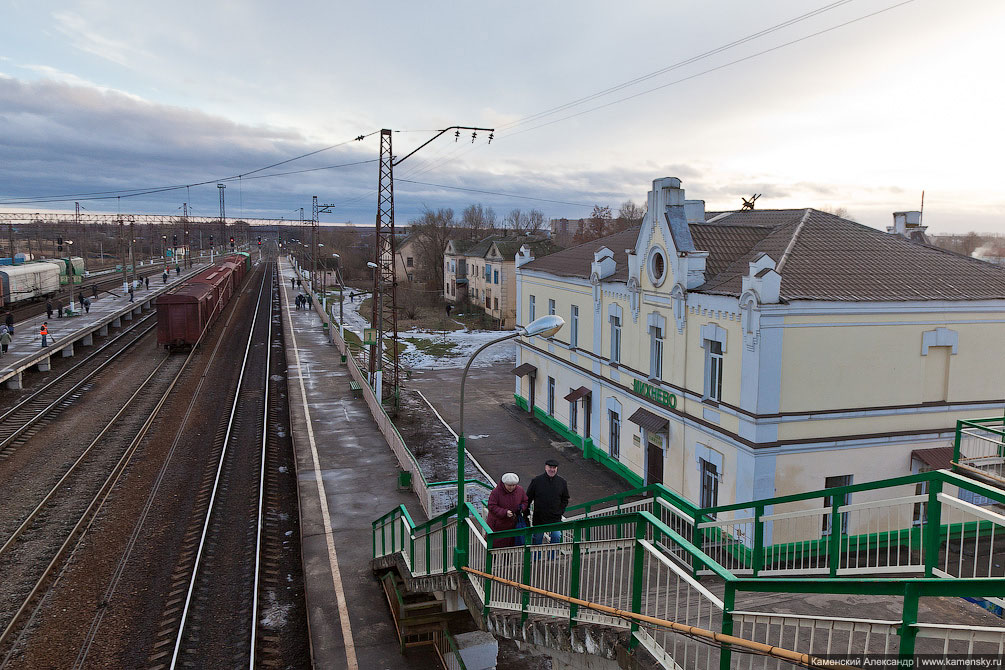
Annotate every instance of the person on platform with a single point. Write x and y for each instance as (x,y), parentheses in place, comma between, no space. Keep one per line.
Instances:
(507,505)
(147,280)
(165,276)
(44,332)
(550,495)
(48,309)
(4,340)
(8,321)
(87,305)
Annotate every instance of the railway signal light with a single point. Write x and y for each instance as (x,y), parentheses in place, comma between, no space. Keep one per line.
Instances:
(210,240)
(59,244)
(231,242)
(259,240)
(174,240)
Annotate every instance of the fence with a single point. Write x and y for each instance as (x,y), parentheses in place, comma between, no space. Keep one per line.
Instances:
(980,448)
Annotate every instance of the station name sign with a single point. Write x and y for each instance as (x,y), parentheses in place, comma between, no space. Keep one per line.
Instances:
(657,395)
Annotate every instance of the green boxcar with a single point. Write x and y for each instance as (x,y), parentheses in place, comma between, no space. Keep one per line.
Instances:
(247,259)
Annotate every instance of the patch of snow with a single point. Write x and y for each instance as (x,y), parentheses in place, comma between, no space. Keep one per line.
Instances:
(475,437)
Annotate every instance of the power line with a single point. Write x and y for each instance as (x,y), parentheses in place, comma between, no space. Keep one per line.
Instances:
(505,195)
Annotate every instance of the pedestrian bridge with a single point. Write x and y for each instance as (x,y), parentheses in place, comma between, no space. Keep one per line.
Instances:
(645,575)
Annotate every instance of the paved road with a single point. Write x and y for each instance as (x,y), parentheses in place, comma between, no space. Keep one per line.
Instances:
(513,441)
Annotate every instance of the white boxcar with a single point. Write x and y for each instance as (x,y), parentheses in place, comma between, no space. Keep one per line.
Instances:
(20,283)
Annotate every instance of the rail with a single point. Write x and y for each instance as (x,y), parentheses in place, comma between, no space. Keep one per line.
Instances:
(631,559)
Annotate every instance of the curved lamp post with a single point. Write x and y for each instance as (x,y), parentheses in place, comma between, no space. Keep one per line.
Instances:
(545,326)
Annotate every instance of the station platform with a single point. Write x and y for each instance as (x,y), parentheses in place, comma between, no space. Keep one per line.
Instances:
(348,477)
(68,332)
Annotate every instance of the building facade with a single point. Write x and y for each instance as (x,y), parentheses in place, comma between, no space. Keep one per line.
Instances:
(742,355)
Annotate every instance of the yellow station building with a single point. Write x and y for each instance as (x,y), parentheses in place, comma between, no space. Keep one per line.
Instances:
(742,355)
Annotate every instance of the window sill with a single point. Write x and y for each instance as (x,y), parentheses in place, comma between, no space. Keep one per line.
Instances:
(710,402)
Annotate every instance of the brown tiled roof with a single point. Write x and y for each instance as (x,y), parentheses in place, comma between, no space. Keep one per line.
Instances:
(830,259)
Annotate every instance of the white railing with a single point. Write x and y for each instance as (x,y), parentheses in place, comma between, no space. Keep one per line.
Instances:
(983,448)
(729,542)
(477,551)
(670,593)
(968,640)
(669,515)
(886,537)
(814,635)
(971,534)
(802,551)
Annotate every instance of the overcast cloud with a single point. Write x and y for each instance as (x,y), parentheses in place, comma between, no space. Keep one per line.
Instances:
(114,95)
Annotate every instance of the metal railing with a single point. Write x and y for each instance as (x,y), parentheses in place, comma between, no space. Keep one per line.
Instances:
(979,448)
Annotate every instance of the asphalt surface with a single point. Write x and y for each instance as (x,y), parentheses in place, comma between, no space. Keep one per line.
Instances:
(503,438)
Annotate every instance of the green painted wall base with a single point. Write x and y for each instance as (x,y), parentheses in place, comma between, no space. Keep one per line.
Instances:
(590,450)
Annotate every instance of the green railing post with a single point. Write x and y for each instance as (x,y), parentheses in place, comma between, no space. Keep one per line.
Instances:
(488,582)
(525,580)
(757,560)
(933,526)
(574,570)
(638,566)
(373,540)
(728,602)
(834,542)
(909,617)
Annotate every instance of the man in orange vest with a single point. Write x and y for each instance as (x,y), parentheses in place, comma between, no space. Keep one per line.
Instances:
(45,334)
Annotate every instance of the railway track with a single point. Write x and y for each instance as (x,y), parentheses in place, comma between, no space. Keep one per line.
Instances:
(33,552)
(35,410)
(222,561)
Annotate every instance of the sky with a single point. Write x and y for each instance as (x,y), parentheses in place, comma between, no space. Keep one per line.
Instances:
(854,104)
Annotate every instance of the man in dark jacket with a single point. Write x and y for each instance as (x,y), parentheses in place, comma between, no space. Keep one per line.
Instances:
(549,494)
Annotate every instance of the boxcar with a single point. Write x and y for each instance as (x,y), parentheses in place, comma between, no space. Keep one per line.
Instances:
(221,279)
(31,281)
(183,315)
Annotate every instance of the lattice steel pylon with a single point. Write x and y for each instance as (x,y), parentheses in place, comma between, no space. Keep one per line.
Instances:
(385,287)
(315,210)
(384,315)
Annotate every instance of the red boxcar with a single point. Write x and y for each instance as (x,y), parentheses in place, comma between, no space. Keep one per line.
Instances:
(184,314)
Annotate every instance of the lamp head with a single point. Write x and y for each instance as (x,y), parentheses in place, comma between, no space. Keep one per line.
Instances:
(545,326)
(371,264)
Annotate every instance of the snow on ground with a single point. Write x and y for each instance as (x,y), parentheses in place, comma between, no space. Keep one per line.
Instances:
(465,342)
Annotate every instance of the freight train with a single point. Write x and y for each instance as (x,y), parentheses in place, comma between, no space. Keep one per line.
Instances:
(184,314)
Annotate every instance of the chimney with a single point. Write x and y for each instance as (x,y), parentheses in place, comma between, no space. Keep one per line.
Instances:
(906,223)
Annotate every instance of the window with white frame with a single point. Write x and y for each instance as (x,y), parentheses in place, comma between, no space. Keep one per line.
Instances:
(551,396)
(574,326)
(531,310)
(614,436)
(615,338)
(495,276)
(551,306)
(409,261)
(573,413)
(713,370)
(655,352)
(709,478)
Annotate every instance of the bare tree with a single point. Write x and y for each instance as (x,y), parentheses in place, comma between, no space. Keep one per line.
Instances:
(629,214)
(525,222)
(432,231)
(478,220)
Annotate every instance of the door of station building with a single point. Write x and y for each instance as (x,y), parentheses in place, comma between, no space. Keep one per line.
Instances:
(654,458)
(532,379)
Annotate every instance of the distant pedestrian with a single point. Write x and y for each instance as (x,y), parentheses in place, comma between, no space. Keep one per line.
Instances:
(9,322)
(94,290)
(293,283)
(59,310)
(147,280)
(507,507)
(165,276)
(87,306)
(80,297)
(298,284)
(177,269)
(132,297)
(5,339)
(48,309)
(550,495)
(44,332)
(449,307)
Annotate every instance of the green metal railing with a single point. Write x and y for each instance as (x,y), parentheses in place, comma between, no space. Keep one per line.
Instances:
(979,448)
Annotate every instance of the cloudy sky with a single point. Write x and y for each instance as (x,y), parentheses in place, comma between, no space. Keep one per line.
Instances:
(857,104)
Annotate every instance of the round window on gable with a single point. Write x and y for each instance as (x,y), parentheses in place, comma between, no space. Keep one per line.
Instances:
(657,266)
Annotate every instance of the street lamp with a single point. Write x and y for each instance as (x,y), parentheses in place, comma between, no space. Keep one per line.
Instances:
(545,326)
(377,350)
(164,239)
(341,292)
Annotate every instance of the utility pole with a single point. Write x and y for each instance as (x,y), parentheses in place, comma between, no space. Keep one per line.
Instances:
(122,255)
(385,307)
(188,252)
(223,215)
(10,239)
(83,234)
(317,209)
(132,255)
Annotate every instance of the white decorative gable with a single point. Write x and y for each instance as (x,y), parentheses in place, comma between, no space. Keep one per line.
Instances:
(524,256)
(670,214)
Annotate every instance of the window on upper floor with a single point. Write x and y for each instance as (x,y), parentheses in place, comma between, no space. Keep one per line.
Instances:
(531,311)
(615,339)
(709,482)
(409,262)
(495,276)
(551,306)
(614,437)
(713,370)
(655,352)
(551,396)
(495,304)
(488,273)
(573,413)
(574,326)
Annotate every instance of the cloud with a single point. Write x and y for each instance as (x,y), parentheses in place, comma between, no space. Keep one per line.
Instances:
(86,38)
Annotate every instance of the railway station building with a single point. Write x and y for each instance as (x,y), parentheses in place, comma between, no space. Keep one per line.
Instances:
(735,356)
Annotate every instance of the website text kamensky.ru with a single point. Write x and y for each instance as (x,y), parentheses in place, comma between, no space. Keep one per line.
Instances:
(918,661)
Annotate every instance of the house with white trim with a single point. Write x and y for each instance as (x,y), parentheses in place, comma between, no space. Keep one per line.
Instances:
(741,355)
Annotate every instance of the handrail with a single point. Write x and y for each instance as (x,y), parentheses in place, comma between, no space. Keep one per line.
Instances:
(718,638)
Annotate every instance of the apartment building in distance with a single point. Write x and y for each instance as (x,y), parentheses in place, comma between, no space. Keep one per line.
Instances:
(483,273)
(740,355)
